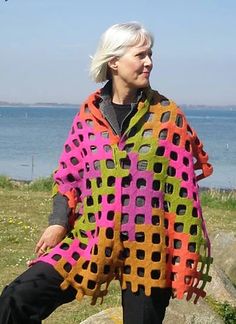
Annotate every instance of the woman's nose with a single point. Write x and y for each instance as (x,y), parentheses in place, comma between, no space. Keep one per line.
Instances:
(148,61)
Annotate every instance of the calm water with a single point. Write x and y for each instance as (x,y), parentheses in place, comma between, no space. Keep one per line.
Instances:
(31,140)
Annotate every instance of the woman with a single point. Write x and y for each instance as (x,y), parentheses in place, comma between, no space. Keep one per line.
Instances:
(129,162)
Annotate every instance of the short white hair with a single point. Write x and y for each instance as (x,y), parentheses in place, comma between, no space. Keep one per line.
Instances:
(114,43)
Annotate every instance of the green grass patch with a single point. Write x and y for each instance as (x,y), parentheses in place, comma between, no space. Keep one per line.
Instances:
(219,199)
(23,217)
(5,182)
(225,310)
(41,184)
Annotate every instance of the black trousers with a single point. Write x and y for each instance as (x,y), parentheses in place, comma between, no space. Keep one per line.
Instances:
(36,293)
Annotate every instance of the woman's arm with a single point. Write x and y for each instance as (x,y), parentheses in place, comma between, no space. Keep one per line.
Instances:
(58,225)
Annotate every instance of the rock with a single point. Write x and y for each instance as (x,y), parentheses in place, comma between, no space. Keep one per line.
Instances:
(179,311)
(223,252)
(221,288)
(108,316)
(183,312)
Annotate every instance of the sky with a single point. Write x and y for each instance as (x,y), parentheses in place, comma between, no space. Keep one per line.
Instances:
(45,47)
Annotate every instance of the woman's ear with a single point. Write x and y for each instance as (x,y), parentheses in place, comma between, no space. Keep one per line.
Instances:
(113,63)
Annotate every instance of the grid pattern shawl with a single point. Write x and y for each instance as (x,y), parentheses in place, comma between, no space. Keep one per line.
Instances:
(139,216)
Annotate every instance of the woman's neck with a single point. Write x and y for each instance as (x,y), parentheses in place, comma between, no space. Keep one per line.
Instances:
(123,95)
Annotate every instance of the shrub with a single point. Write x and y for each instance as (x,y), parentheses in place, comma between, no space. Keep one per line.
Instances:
(228,313)
(216,198)
(5,182)
(225,310)
(41,184)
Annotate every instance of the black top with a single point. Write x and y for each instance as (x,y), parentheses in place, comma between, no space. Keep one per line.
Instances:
(122,112)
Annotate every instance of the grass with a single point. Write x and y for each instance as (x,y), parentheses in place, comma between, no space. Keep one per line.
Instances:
(24,209)
(5,182)
(222,199)
(225,310)
(40,184)
(23,216)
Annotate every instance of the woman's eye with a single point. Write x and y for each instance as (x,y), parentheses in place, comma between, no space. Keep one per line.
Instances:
(144,54)
(141,55)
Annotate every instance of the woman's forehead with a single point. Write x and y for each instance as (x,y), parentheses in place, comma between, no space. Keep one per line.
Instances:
(144,42)
(139,47)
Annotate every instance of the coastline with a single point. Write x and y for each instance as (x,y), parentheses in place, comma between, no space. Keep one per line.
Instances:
(5,104)
(18,182)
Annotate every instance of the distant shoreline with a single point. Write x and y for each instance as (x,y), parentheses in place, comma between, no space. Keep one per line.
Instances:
(75,105)
(39,105)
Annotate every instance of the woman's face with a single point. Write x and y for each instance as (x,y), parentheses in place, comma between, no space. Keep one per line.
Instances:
(133,69)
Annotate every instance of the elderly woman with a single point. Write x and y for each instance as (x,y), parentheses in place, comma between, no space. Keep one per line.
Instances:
(127,203)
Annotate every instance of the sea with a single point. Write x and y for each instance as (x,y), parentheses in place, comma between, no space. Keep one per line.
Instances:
(32,138)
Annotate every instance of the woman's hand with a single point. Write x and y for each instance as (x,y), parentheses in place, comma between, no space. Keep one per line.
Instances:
(50,238)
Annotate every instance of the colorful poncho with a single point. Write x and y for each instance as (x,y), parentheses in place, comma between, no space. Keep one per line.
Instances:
(139,214)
